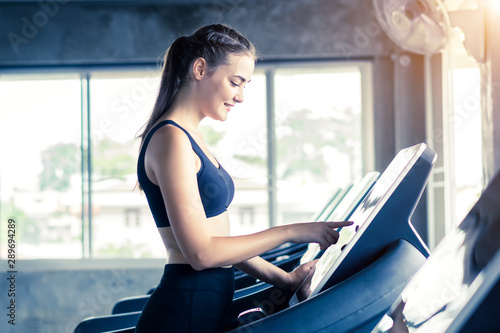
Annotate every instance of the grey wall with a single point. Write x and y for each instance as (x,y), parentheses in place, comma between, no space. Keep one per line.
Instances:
(105,33)
(93,34)
(53,296)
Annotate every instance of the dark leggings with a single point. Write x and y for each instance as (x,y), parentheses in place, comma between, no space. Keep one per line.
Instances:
(187,300)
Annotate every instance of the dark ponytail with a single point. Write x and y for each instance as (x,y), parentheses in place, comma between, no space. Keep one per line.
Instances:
(214,43)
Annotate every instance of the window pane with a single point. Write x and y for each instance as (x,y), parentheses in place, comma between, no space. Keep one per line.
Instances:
(240,144)
(122,224)
(40,165)
(467,145)
(318,137)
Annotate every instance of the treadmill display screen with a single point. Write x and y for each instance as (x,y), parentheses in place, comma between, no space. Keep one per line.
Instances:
(344,210)
(367,209)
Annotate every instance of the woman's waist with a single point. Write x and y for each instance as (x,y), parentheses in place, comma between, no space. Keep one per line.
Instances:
(175,257)
(183,276)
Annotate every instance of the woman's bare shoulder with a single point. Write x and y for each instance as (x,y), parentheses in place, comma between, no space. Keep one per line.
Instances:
(168,138)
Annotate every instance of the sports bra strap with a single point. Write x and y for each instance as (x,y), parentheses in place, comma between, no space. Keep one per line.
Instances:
(215,185)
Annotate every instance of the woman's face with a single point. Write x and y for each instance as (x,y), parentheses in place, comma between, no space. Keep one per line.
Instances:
(219,92)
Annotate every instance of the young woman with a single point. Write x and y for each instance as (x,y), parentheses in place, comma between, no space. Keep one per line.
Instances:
(188,191)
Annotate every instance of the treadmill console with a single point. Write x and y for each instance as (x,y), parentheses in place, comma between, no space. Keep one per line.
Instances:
(381,218)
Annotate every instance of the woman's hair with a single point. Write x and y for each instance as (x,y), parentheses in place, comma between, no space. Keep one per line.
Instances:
(214,43)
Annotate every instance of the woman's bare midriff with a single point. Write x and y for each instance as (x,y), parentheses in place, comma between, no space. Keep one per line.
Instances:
(218,224)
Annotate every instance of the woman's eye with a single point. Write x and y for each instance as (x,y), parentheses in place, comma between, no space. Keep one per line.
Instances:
(234,84)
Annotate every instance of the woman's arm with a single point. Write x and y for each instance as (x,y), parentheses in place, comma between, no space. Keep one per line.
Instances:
(174,164)
(267,272)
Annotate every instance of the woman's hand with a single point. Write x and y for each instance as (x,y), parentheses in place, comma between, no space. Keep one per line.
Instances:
(323,233)
(295,278)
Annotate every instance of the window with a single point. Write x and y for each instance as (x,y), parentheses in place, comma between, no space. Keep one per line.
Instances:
(120,104)
(318,136)
(132,218)
(467,145)
(40,164)
(68,155)
(456,181)
(240,144)
(247,216)
(317,113)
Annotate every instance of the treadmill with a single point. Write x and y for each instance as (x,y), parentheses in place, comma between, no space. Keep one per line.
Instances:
(357,279)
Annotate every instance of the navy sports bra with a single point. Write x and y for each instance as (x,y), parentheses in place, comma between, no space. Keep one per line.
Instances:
(215,185)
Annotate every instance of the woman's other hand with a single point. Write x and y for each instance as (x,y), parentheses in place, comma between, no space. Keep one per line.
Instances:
(298,275)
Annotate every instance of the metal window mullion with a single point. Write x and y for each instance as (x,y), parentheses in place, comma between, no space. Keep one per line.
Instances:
(367,119)
(89,166)
(82,157)
(430,190)
(86,167)
(271,149)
